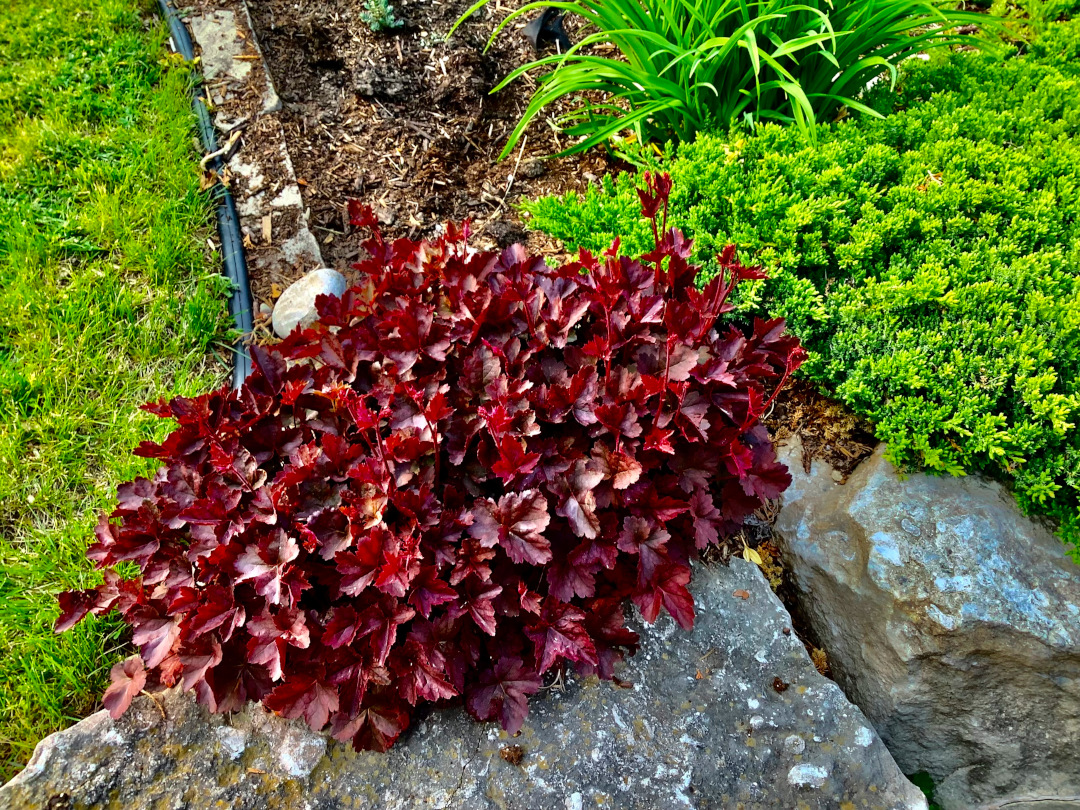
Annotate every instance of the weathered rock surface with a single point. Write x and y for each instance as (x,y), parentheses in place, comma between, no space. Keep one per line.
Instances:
(951,619)
(227,56)
(702,726)
(297,304)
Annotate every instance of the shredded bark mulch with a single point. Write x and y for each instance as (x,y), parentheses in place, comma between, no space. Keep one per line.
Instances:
(827,428)
(404,121)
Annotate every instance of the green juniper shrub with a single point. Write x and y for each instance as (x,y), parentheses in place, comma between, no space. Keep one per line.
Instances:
(1059,46)
(1026,20)
(930,261)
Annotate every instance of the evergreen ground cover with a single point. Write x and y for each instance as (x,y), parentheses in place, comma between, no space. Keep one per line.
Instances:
(107,300)
(929,260)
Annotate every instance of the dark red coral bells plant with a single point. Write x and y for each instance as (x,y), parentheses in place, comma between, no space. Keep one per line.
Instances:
(447,487)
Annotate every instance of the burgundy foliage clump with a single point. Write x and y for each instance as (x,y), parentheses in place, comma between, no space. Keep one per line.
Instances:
(447,487)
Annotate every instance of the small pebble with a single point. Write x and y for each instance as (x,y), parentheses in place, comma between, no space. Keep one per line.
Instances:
(533,169)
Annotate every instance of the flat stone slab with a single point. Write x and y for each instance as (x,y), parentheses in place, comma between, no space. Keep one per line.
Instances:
(731,715)
(227,52)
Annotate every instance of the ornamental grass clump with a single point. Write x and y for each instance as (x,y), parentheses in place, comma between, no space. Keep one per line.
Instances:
(681,67)
(447,487)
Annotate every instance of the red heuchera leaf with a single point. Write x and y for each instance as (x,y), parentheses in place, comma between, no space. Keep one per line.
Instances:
(358,568)
(643,537)
(503,692)
(516,523)
(376,727)
(304,696)
(577,498)
(559,634)
(74,605)
(197,660)
(513,460)
(421,673)
(568,577)
(271,633)
(381,622)
(707,518)
(668,588)
(128,679)
(450,484)
(429,591)
(155,638)
(267,565)
(606,625)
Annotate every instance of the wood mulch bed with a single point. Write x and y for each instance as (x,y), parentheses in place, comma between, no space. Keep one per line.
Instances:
(405,121)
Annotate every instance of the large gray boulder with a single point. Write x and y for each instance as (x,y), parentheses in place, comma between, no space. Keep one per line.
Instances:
(951,619)
(703,725)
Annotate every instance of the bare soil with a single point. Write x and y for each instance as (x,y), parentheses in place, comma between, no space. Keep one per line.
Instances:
(827,428)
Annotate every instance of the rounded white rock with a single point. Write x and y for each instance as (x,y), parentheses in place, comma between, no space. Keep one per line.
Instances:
(297,304)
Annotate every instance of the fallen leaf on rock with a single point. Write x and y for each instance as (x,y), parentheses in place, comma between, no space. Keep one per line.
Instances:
(512,754)
(779,685)
(742,594)
(750,555)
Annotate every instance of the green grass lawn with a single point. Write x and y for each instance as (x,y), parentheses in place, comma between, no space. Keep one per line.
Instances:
(108,299)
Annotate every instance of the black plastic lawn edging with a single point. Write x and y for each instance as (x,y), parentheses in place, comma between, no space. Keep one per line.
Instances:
(232,245)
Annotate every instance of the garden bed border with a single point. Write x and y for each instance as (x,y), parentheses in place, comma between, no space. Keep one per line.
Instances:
(232,245)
